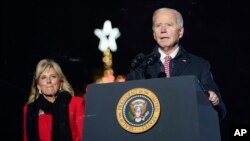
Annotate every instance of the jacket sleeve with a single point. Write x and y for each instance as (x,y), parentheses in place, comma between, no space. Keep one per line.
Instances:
(208,83)
(77,111)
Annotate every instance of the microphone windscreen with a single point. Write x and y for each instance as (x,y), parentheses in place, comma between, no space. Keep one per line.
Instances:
(137,60)
(152,58)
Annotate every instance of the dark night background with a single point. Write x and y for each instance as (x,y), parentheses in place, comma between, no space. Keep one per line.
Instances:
(217,30)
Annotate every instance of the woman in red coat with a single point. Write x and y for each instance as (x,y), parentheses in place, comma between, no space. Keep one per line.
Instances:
(52,112)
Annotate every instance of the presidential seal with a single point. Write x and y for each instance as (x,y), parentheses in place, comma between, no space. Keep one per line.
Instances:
(138,110)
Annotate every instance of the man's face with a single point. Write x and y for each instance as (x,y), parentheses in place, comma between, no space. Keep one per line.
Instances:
(166,30)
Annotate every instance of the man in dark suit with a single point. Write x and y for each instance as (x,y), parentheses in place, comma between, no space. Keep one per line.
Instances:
(167,31)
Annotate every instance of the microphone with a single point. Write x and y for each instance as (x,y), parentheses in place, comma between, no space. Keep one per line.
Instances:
(152,58)
(137,60)
(140,63)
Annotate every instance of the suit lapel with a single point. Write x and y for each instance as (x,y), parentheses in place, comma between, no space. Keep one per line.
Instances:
(179,66)
(180,62)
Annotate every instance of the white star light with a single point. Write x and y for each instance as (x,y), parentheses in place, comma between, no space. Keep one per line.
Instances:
(107,37)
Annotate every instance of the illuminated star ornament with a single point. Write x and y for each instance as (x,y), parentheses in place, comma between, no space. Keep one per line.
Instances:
(107,37)
(107,43)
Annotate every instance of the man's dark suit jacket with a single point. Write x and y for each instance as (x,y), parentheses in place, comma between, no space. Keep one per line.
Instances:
(183,64)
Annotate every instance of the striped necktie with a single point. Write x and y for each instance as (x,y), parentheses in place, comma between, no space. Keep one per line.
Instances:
(166,65)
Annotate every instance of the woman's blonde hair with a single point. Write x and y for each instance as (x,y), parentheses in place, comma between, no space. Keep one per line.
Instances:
(40,68)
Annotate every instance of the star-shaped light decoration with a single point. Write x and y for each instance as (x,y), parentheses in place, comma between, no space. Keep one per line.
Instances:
(107,37)
(107,43)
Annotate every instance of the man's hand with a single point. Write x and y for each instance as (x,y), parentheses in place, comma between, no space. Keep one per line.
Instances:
(213,98)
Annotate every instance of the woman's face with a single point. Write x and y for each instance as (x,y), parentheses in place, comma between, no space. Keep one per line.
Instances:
(49,82)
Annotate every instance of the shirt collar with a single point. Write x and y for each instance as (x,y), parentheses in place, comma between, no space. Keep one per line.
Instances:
(163,55)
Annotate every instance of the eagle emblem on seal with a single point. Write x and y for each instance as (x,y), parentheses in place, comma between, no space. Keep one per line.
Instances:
(138,109)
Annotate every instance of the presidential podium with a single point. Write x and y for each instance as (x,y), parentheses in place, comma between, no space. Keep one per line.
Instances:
(183,111)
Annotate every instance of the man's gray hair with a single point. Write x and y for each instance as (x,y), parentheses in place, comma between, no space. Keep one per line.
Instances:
(177,13)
